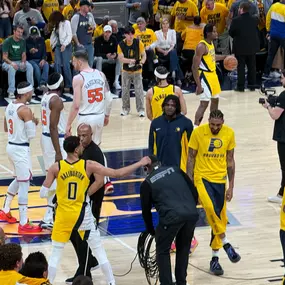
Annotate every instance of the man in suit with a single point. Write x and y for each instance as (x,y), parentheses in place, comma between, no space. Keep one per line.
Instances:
(244,32)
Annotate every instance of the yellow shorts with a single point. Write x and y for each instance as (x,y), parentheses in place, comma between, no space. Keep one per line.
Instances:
(63,235)
(211,85)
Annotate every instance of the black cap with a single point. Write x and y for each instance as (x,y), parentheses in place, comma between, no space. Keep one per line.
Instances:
(34,31)
(84,2)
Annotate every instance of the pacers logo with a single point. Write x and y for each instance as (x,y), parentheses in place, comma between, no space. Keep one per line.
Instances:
(215,143)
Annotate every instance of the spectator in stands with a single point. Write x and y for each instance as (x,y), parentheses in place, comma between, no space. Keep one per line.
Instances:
(14,57)
(166,50)
(2,236)
(275,26)
(132,56)
(48,6)
(36,56)
(148,38)
(139,8)
(70,9)
(234,8)
(217,14)
(6,9)
(99,28)
(244,32)
(60,42)
(164,10)
(106,52)
(83,25)
(191,36)
(35,270)
(183,14)
(82,280)
(116,31)
(28,17)
(11,261)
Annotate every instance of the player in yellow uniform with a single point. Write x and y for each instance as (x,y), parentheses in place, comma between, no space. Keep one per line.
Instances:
(210,161)
(73,209)
(204,73)
(156,95)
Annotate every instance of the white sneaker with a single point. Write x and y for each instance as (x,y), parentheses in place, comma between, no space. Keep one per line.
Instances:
(141,114)
(124,112)
(274,74)
(117,85)
(11,95)
(275,199)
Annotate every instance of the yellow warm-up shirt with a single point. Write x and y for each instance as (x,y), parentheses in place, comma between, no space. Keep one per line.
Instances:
(68,11)
(48,7)
(147,37)
(216,1)
(192,36)
(217,16)
(10,277)
(211,158)
(187,9)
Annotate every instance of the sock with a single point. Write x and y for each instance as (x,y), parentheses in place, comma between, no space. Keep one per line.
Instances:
(224,240)
(215,253)
(12,191)
(107,271)
(23,214)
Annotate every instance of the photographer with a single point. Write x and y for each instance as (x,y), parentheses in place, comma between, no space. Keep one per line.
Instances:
(275,107)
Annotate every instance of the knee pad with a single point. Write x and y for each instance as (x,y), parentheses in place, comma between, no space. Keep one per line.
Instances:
(23,192)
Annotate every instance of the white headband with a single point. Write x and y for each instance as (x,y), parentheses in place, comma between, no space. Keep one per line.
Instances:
(55,85)
(25,89)
(160,76)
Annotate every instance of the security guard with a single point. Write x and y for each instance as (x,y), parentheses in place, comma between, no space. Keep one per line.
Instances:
(174,196)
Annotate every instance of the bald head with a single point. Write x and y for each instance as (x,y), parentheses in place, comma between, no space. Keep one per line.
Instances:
(2,236)
(84,132)
(84,126)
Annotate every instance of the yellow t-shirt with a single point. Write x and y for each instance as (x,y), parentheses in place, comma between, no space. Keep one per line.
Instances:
(211,158)
(155,6)
(48,7)
(141,50)
(135,26)
(34,281)
(159,94)
(10,277)
(147,37)
(68,12)
(192,36)
(217,16)
(216,1)
(187,9)
(98,31)
(208,62)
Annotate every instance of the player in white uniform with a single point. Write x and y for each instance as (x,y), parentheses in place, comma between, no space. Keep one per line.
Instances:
(20,124)
(53,130)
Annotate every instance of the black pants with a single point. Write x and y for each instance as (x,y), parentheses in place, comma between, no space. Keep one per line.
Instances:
(249,61)
(282,240)
(84,255)
(274,45)
(281,154)
(164,236)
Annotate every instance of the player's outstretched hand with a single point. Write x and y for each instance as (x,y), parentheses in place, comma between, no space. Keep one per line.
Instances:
(145,161)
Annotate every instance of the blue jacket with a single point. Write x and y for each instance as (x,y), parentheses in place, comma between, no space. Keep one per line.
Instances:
(275,20)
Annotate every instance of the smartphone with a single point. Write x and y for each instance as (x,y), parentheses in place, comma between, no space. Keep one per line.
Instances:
(28,19)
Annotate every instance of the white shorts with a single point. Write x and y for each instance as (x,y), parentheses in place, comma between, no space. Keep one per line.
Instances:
(49,152)
(96,122)
(20,157)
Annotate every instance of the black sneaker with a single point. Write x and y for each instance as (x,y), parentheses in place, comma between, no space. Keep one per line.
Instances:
(69,280)
(46,226)
(232,254)
(215,266)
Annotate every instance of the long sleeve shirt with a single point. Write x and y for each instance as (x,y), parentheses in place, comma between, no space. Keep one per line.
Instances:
(103,47)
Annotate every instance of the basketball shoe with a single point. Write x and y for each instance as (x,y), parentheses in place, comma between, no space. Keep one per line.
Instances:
(215,266)
(29,228)
(109,188)
(233,256)
(46,225)
(7,217)
(194,244)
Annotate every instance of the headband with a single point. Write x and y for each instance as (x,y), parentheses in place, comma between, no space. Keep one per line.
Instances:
(55,85)
(25,89)
(160,76)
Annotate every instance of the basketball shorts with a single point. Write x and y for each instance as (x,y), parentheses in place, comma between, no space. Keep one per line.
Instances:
(212,198)
(20,158)
(96,122)
(210,84)
(49,152)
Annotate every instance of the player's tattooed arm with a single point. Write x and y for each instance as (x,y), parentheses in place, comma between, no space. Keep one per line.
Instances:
(231,173)
(191,162)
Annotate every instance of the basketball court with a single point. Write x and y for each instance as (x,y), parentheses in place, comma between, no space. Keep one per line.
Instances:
(253,222)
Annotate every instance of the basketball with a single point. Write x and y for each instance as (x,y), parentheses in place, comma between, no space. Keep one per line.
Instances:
(230,63)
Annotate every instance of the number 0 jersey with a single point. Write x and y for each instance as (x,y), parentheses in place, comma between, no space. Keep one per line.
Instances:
(71,192)
(93,97)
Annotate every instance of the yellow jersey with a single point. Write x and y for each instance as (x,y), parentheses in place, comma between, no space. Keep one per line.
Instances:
(34,281)
(217,16)
(159,94)
(147,37)
(208,62)
(71,193)
(192,36)
(187,9)
(211,158)
(10,277)
(48,7)
(216,1)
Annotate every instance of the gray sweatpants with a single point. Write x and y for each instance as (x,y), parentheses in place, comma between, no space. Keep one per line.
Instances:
(136,78)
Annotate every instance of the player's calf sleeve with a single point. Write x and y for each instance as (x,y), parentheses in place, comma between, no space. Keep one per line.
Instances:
(12,191)
(57,249)
(23,201)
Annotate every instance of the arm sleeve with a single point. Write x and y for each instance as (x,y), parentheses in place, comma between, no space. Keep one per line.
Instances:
(146,204)
(268,19)
(68,31)
(74,24)
(30,128)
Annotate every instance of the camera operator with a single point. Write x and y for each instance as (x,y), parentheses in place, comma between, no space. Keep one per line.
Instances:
(276,112)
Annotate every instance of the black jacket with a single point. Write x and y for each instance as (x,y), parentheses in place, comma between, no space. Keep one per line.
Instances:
(244,32)
(172,194)
(102,47)
(38,44)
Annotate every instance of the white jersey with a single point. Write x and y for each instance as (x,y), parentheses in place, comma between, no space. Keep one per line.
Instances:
(93,93)
(16,126)
(45,113)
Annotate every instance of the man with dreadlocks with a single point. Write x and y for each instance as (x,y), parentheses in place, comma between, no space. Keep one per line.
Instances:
(156,94)
(210,161)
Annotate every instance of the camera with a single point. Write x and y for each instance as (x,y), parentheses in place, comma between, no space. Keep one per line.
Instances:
(269,94)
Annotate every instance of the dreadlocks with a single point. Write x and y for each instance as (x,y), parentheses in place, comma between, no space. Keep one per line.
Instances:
(216,114)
